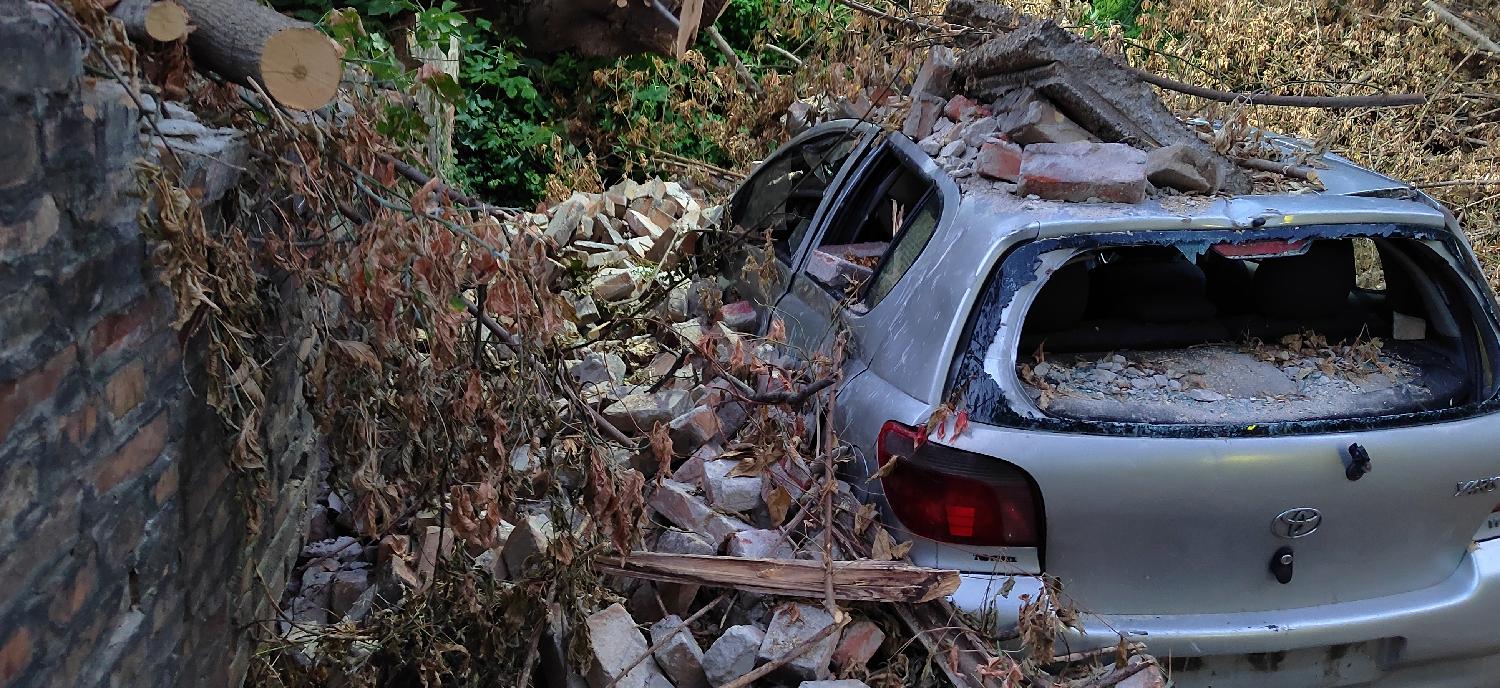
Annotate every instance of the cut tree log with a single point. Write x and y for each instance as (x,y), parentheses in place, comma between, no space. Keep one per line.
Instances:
(155,20)
(242,40)
(865,581)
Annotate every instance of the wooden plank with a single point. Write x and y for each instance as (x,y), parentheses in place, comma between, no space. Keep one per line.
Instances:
(862,581)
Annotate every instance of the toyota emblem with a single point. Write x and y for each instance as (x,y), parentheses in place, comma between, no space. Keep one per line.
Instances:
(1295,523)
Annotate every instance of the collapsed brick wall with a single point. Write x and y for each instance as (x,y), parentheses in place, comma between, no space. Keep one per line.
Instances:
(124,553)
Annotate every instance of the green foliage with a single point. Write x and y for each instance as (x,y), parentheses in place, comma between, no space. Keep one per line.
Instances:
(503,123)
(519,120)
(1122,12)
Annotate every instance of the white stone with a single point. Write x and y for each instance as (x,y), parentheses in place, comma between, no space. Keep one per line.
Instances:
(791,631)
(679,657)
(616,642)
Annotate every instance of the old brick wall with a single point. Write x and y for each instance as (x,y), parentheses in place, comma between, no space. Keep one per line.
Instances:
(125,558)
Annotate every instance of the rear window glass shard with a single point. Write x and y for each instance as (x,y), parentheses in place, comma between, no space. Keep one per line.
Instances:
(1325,323)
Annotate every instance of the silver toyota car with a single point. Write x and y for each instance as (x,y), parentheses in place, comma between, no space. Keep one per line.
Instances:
(1258,434)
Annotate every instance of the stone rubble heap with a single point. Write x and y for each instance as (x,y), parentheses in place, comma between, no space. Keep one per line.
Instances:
(713,499)
(1262,375)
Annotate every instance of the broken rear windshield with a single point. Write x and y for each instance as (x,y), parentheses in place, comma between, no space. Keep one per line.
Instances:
(1297,324)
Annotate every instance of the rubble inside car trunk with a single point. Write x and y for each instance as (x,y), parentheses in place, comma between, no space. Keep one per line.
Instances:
(1288,380)
(750,565)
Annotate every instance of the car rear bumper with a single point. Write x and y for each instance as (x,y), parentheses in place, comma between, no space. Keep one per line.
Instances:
(1455,623)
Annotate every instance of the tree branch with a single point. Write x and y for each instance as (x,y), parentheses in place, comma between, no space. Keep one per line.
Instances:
(1328,102)
(793,398)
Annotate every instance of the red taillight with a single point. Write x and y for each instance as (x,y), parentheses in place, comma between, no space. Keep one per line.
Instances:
(954,496)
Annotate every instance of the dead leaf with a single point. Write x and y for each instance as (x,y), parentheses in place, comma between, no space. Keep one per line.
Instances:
(863,518)
(778,502)
(886,468)
(359,352)
(960,423)
(884,546)
(661,446)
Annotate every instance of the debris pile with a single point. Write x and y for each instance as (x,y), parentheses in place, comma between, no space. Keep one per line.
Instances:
(1039,112)
(1302,376)
(729,551)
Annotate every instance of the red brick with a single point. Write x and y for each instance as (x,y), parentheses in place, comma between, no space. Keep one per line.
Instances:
(14,654)
(70,599)
(859,642)
(134,457)
(126,389)
(962,107)
(35,387)
(166,486)
(80,425)
(1080,171)
(999,160)
(117,328)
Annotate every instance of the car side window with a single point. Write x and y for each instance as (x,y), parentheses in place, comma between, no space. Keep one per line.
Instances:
(784,195)
(904,250)
(877,234)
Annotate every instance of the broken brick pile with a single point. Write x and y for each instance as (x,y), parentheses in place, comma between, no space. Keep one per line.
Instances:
(712,498)
(1039,112)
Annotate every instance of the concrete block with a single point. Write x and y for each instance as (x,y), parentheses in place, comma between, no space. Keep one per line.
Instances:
(527,544)
(925,110)
(615,642)
(934,78)
(673,541)
(676,502)
(739,493)
(1041,122)
(1181,167)
(694,429)
(760,544)
(638,414)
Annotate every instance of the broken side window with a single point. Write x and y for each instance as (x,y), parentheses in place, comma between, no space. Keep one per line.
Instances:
(885,204)
(784,194)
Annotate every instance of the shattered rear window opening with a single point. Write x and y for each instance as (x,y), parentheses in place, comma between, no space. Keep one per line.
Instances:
(1200,328)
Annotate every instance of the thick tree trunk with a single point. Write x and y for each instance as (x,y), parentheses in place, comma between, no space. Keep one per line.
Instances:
(156,20)
(243,40)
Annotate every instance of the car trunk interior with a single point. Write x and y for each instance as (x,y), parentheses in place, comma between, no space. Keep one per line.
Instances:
(1250,333)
